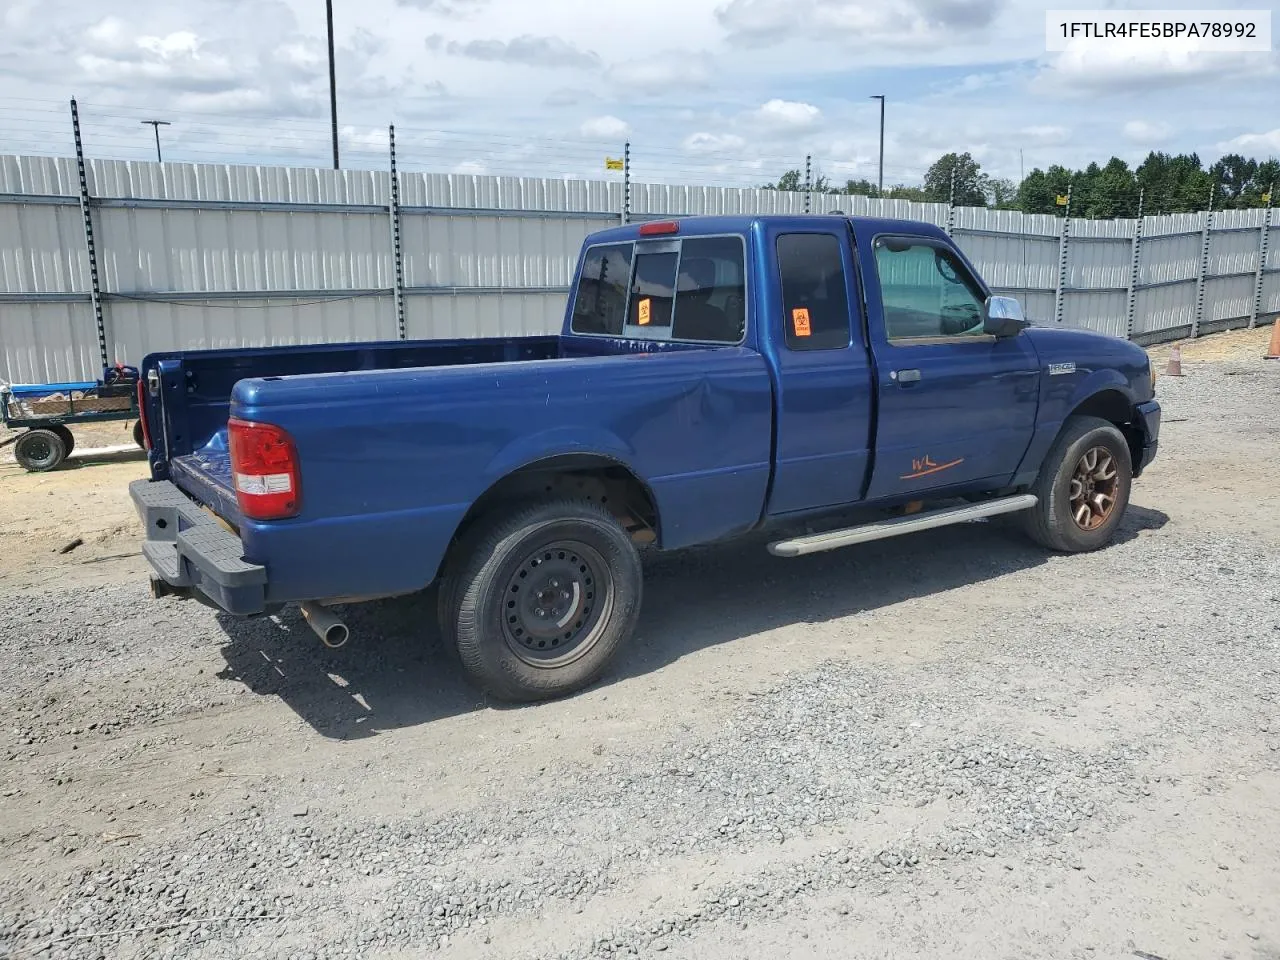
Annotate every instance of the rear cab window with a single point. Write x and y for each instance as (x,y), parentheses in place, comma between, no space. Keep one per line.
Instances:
(814,295)
(689,289)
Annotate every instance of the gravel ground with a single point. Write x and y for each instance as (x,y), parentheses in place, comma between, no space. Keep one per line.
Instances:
(945,745)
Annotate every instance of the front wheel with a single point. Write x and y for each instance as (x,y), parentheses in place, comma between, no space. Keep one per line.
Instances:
(1083,487)
(542,598)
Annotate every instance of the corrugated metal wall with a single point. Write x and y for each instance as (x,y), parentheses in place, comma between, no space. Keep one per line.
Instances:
(206,255)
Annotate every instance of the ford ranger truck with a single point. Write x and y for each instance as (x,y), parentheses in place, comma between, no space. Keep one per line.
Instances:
(828,380)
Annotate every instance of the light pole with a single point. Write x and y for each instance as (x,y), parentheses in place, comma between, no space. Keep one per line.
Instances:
(156,125)
(880,189)
(333,82)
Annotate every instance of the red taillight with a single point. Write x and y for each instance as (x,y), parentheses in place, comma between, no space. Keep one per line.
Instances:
(264,470)
(659,227)
(142,413)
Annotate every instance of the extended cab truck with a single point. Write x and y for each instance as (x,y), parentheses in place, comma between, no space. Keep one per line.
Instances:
(714,376)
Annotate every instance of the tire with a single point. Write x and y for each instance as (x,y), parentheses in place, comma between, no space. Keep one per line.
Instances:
(138,438)
(521,579)
(68,438)
(39,450)
(1090,520)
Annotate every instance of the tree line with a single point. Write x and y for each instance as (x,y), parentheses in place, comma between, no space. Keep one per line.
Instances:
(1165,183)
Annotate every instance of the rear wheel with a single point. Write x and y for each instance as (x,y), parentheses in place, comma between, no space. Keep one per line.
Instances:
(1083,487)
(138,437)
(39,450)
(68,438)
(542,598)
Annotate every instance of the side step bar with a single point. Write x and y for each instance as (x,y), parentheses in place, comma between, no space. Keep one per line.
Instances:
(880,529)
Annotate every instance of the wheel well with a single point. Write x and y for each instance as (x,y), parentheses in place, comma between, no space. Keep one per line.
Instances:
(593,477)
(1114,407)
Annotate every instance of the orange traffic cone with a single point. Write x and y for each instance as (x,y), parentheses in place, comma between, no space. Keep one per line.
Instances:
(1273,351)
(1174,369)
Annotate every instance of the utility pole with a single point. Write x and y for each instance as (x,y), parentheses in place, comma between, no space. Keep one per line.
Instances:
(333,82)
(156,125)
(880,185)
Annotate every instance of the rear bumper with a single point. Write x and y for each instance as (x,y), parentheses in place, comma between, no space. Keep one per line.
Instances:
(1149,423)
(191,553)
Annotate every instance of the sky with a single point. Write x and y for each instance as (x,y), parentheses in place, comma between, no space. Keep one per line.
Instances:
(732,92)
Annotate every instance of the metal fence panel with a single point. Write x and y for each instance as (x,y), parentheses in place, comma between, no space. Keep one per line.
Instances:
(1235,251)
(491,251)
(42,249)
(1228,298)
(1103,312)
(137,328)
(47,343)
(1270,294)
(183,249)
(1169,258)
(1099,263)
(1166,307)
(449,316)
(1020,263)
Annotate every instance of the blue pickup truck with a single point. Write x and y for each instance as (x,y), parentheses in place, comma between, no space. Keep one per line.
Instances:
(830,380)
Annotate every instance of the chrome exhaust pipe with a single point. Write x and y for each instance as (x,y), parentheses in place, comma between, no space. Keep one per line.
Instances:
(333,633)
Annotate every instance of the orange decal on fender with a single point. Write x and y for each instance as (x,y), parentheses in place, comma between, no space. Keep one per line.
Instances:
(926,466)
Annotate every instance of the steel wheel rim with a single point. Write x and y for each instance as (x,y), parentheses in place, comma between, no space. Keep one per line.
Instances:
(1093,488)
(38,450)
(556,604)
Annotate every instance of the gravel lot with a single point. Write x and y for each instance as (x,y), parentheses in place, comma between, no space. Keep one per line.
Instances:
(946,745)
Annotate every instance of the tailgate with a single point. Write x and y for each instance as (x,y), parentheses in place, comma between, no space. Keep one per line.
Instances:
(206,476)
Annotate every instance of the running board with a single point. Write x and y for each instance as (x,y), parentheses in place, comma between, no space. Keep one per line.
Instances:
(896,527)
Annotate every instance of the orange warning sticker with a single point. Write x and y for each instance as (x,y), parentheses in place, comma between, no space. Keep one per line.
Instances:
(644,312)
(800,320)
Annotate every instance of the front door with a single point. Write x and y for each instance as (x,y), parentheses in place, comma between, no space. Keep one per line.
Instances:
(957,407)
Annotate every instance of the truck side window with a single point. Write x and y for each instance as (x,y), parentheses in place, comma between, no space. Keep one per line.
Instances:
(814,300)
(602,290)
(926,291)
(710,291)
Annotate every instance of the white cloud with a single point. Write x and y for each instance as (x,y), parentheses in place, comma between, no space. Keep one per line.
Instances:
(860,23)
(701,142)
(788,114)
(528,50)
(605,128)
(1255,144)
(1147,132)
(1114,68)
(451,8)
(665,72)
(1046,134)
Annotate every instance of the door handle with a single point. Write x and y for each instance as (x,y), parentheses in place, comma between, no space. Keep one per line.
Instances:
(907,376)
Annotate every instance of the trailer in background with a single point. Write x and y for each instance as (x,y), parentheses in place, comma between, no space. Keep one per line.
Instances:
(47,411)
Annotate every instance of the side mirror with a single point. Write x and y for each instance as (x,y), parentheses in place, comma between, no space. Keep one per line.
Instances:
(1002,317)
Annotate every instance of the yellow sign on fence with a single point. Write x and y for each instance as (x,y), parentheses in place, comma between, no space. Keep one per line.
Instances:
(612,164)
(1060,200)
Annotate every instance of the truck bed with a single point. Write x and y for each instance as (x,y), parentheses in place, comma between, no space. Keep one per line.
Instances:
(190,441)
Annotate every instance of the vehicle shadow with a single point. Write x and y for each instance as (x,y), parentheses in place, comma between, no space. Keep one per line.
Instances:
(396,671)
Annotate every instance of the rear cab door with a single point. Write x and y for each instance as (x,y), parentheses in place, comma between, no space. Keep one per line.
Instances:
(811,309)
(956,406)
